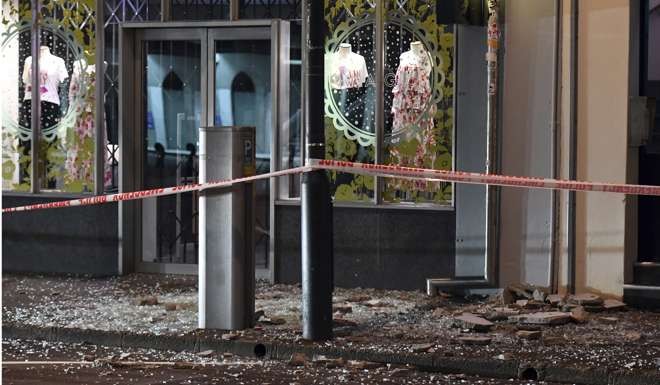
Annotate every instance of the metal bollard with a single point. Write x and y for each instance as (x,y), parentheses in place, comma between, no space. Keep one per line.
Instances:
(226,229)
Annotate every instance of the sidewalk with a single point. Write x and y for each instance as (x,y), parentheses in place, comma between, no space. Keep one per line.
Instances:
(529,338)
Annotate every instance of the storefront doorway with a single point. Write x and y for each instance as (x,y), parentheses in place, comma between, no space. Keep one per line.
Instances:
(183,78)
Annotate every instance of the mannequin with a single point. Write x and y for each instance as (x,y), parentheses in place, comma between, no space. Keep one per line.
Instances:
(52,72)
(78,163)
(412,112)
(412,90)
(347,69)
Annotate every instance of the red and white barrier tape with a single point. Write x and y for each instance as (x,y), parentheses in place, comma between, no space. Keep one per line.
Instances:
(476,178)
(159,192)
(367,169)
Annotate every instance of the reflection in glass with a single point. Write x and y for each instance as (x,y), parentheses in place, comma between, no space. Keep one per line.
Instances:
(243,97)
(289,132)
(172,100)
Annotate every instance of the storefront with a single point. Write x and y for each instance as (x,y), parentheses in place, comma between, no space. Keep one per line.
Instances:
(433,84)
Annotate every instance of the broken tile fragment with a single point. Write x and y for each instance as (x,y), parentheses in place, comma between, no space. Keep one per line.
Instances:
(613,304)
(579,315)
(545,318)
(538,295)
(400,372)
(554,299)
(471,321)
(147,301)
(342,309)
(363,365)
(586,299)
(474,340)
(421,348)
(206,353)
(529,334)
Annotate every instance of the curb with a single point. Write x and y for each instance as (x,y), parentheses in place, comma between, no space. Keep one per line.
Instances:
(489,368)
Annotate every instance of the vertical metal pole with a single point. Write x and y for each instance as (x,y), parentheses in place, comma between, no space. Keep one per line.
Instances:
(99,81)
(493,40)
(35,99)
(379,30)
(572,161)
(556,149)
(316,205)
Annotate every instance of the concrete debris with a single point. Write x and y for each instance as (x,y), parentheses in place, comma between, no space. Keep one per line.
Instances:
(552,340)
(529,335)
(529,304)
(229,336)
(376,303)
(555,299)
(124,356)
(504,357)
(539,295)
(613,304)
(400,372)
(258,314)
(585,299)
(579,315)
(206,353)
(341,322)
(298,359)
(474,340)
(272,321)
(421,348)
(342,309)
(501,314)
(609,320)
(507,297)
(521,290)
(632,336)
(329,363)
(358,298)
(544,318)
(363,365)
(171,306)
(594,308)
(471,321)
(147,301)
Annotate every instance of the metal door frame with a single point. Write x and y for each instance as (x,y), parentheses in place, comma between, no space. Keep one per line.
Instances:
(131,122)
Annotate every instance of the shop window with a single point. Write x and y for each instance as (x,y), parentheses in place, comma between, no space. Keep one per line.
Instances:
(66,96)
(415,97)
(14,49)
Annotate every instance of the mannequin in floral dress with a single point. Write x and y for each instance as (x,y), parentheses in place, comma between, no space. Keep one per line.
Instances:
(412,109)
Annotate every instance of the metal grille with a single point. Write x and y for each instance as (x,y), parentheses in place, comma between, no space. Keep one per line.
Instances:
(115,12)
(270,9)
(200,9)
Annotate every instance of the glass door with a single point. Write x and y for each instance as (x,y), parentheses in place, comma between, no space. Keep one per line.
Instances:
(241,94)
(181,79)
(173,105)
